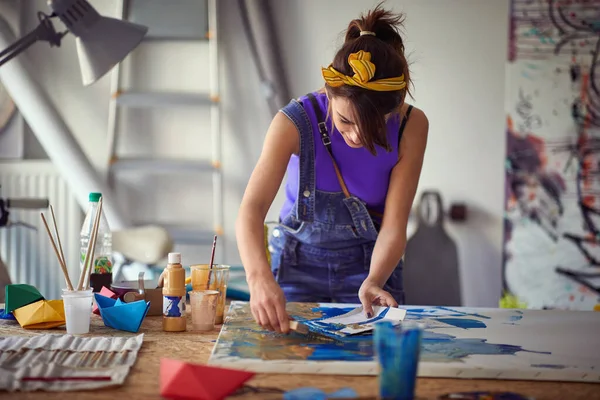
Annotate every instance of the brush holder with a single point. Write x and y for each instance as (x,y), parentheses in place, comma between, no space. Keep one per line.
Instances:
(204,307)
(397,350)
(215,278)
(78,310)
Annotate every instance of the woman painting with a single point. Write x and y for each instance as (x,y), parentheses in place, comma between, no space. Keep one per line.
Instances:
(353,153)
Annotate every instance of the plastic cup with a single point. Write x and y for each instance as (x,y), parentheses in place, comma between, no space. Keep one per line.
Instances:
(78,310)
(204,309)
(397,350)
(215,278)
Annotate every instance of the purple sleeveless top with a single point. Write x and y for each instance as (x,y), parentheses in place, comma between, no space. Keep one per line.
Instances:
(367,176)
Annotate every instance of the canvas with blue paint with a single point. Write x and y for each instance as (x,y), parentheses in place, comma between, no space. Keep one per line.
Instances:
(456,342)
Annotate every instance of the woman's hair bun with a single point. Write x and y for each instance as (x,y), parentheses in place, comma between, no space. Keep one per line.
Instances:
(383,23)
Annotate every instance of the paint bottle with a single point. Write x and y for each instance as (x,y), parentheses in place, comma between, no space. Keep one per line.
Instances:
(174,319)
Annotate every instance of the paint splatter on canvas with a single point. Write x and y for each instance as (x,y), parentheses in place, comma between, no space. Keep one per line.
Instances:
(455,341)
(552,220)
(247,339)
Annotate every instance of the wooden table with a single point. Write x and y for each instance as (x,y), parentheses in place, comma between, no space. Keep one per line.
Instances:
(143,379)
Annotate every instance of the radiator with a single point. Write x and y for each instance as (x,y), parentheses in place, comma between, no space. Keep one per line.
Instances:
(28,253)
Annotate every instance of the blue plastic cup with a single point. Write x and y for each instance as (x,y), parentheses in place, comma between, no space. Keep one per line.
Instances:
(397,350)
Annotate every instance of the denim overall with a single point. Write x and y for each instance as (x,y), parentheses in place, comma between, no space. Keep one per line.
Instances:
(321,251)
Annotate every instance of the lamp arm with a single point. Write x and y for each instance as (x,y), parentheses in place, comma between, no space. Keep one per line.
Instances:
(44,32)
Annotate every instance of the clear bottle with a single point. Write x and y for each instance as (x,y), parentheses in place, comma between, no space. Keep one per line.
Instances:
(103,249)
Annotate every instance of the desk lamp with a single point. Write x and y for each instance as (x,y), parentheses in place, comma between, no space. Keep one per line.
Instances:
(102,42)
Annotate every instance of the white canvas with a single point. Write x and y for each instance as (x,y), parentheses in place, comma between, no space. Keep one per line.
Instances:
(457,343)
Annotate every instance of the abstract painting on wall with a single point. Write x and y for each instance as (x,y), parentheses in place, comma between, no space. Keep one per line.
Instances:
(457,342)
(552,219)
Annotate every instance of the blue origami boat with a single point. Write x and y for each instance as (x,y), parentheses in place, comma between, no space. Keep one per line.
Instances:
(122,316)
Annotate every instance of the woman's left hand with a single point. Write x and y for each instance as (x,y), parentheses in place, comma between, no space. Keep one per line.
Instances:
(371,294)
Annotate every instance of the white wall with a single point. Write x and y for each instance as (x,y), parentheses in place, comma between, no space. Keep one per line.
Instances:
(11,125)
(457,49)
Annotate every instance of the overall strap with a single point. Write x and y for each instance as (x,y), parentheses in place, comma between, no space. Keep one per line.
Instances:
(304,206)
(327,143)
(327,140)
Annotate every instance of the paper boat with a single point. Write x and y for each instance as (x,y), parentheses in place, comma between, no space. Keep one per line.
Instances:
(43,314)
(122,316)
(19,295)
(181,380)
(106,293)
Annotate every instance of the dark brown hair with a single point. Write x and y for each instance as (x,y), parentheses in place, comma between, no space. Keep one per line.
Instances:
(387,53)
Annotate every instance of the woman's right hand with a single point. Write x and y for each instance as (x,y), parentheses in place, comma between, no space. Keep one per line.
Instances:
(267,303)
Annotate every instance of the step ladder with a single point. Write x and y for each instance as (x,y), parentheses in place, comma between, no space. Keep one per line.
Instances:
(122,99)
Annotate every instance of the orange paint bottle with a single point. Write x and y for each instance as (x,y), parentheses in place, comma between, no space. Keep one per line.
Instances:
(174,318)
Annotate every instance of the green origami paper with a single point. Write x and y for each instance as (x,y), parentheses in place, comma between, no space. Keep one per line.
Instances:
(19,295)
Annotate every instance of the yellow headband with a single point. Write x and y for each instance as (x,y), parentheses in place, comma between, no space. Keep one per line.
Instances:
(364,70)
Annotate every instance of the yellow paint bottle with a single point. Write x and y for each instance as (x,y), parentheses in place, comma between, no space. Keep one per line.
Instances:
(174,319)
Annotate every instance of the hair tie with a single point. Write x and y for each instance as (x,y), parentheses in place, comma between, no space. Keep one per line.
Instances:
(370,33)
(364,71)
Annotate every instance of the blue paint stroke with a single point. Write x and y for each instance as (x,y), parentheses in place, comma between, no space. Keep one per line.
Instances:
(311,393)
(465,323)
(422,311)
(464,313)
(327,312)
(513,319)
(444,347)
(552,366)
(347,349)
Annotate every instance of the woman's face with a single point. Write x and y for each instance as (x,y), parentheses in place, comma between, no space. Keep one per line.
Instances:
(345,121)
(343,117)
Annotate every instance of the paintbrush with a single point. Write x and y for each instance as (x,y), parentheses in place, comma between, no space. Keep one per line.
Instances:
(212,260)
(303,329)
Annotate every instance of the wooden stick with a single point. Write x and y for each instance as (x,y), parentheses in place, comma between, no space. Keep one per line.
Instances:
(94,237)
(88,251)
(60,261)
(62,254)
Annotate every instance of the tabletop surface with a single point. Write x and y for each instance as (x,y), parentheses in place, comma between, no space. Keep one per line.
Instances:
(143,379)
